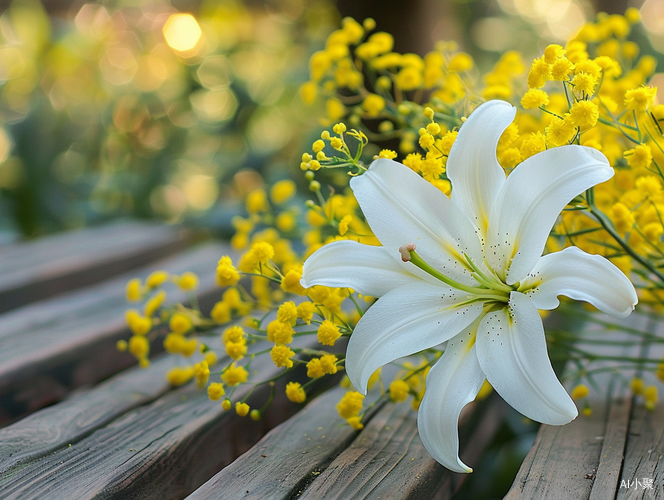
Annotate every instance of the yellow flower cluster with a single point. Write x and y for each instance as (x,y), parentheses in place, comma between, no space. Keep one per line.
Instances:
(501,81)
(437,144)
(242,409)
(279,332)
(281,356)
(180,375)
(593,90)
(227,275)
(328,333)
(399,390)
(580,391)
(235,342)
(136,290)
(342,156)
(202,373)
(234,375)
(409,381)
(230,305)
(612,109)
(215,391)
(295,392)
(325,365)
(443,75)
(650,394)
(349,408)
(180,322)
(201,370)
(176,343)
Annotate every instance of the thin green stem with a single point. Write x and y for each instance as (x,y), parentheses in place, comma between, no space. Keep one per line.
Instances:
(417,261)
(608,226)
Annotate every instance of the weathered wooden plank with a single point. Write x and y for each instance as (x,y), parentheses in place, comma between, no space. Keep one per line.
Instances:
(605,483)
(162,450)
(292,456)
(389,441)
(49,348)
(388,460)
(643,455)
(289,455)
(34,270)
(73,419)
(583,459)
(563,460)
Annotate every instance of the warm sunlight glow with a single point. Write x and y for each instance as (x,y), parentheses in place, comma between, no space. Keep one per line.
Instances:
(182,32)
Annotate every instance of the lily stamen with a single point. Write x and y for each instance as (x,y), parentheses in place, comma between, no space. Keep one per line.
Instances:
(485,293)
(492,329)
(484,279)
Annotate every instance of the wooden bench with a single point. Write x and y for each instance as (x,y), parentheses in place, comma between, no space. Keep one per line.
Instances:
(82,421)
(609,453)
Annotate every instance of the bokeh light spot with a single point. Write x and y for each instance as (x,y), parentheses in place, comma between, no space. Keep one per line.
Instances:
(213,73)
(565,22)
(214,105)
(201,191)
(182,32)
(652,16)
(493,34)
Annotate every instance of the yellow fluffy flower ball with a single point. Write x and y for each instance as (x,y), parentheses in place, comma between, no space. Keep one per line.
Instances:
(295,392)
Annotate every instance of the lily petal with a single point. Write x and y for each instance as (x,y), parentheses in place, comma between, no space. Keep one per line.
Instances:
(472,166)
(406,320)
(531,200)
(581,276)
(452,383)
(402,208)
(512,353)
(368,269)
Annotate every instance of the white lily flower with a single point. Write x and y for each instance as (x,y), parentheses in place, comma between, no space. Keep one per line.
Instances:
(469,270)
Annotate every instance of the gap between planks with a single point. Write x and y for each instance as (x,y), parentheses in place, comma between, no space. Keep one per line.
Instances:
(314,455)
(162,449)
(51,347)
(30,271)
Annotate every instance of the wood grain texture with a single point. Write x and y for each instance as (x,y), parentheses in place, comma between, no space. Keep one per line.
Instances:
(49,348)
(34,270)
(387,460)
(644,451)
(286,457)
(563,460)
(68,422)
(162,450)
(644,454)
(587,458)
(606,481)
(388,444)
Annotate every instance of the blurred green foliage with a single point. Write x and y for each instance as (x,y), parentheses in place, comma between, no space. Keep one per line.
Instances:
(132,109)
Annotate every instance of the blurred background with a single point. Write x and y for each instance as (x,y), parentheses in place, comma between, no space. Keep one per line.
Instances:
(174,110)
